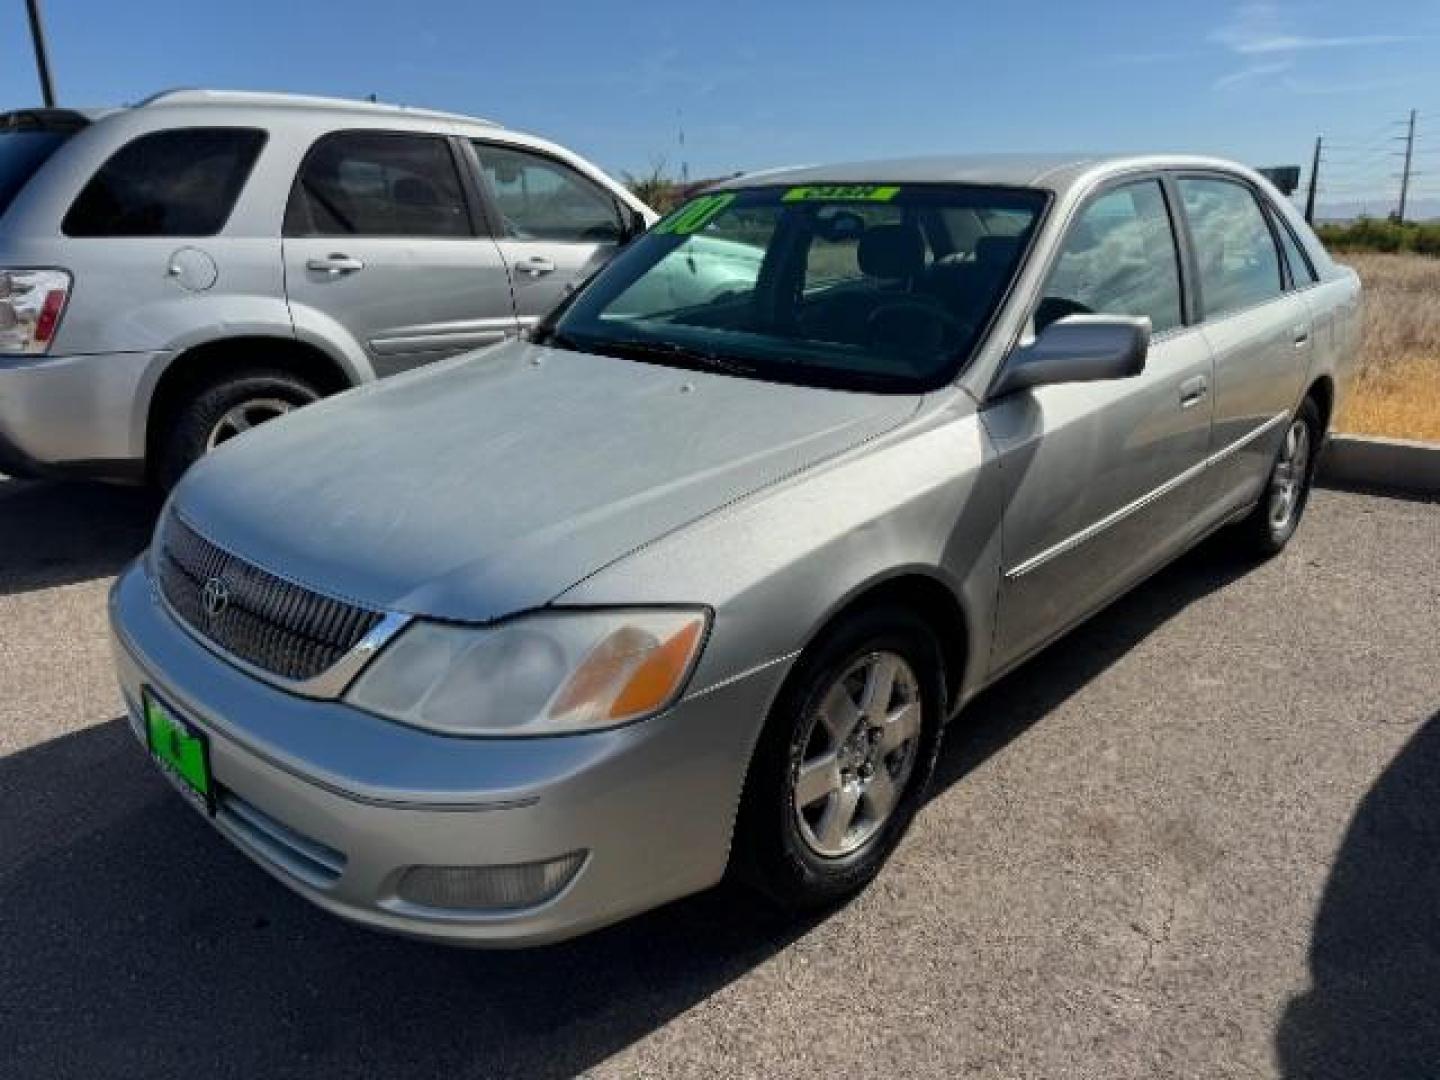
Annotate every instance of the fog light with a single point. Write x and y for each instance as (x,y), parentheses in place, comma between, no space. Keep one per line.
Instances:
(489,888)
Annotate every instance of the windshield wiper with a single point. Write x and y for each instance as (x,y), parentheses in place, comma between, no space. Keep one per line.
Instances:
(671,352)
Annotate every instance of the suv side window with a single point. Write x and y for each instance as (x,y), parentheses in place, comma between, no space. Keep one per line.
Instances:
(1301,272)
(181,182)
(1239,263)
(541,199)
(1119,258)
(378,183)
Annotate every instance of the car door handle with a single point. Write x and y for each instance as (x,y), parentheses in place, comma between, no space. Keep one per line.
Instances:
(1302,335)
(1193,391)
(536,265)
(335,265)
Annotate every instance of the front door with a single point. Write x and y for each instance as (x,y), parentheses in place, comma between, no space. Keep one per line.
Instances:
(380,240)
(557,226)
(1099,476)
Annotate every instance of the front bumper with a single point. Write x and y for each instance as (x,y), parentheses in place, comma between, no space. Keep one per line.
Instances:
(75,414)
(338,804)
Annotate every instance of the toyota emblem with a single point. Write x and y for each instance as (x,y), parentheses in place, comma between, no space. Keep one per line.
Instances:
(215,597)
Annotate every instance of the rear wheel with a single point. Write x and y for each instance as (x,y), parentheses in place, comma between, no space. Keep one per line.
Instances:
(1272,523)
(224,408)
(843,763)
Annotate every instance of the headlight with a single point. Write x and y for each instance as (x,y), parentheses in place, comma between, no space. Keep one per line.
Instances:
(545,674)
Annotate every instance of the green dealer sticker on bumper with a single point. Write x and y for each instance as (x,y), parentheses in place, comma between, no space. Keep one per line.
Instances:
(181,751)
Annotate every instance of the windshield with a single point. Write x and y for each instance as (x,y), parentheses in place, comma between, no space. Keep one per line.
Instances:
(880,287)
(21,153)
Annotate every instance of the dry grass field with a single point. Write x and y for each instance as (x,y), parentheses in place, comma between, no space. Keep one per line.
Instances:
(1398,389)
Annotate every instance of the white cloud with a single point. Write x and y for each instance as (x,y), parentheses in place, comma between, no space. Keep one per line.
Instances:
(1263,35)
(1260,29)
(1254,71)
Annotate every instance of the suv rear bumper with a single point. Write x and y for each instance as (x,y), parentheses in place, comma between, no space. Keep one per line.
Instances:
(75,414)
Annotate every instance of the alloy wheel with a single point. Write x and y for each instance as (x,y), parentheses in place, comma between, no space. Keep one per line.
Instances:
(1292,473)
(857,755)
(243,417)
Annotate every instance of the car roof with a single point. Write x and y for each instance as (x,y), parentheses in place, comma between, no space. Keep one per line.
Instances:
(247,99)
(1053,172)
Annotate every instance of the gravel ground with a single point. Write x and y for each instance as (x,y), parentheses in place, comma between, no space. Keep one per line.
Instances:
(1196,839)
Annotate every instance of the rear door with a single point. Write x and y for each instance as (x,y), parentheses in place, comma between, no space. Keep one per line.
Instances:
(381,238)
(556,225)
(1099,476)
(1260,334)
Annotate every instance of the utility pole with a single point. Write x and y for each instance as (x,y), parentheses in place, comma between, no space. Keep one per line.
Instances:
(1405,176)
(1314,181)
(42,58)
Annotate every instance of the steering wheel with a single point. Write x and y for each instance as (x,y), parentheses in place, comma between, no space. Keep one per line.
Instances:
(916,327)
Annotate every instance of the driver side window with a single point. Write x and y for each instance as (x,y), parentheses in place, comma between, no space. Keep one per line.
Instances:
(1119,258)
(541,199)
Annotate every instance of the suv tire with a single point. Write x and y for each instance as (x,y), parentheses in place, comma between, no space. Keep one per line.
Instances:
(217,410)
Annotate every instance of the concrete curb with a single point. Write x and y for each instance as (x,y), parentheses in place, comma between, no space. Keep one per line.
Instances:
(1403,466)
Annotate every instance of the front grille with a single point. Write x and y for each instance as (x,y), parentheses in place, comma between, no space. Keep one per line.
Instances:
(274,624)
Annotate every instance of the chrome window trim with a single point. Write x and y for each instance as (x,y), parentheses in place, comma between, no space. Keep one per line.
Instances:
(1116,516)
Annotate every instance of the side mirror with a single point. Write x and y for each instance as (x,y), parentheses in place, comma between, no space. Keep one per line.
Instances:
(1078,348)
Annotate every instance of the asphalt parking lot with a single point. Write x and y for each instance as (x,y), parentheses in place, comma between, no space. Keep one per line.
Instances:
(1196,839)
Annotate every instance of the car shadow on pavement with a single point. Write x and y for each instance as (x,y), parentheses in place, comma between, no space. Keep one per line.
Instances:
(61,533)
(1032,691)
(137,943)
(1373,1009)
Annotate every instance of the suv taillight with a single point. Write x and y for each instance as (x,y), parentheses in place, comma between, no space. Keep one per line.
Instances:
(31,303)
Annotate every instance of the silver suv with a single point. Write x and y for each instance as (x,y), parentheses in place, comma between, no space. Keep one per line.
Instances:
(173,273)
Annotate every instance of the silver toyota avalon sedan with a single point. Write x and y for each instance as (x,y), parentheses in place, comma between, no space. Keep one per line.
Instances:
(689,583)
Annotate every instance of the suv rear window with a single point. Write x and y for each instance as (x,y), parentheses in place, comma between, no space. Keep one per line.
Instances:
(21,153)
(181,182)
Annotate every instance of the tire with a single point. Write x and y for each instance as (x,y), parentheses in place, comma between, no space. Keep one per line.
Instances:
(796,855)
(1269,527)
(219,409)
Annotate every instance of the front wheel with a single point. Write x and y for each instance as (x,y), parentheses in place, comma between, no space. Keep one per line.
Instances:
(842,765)
(1272,523)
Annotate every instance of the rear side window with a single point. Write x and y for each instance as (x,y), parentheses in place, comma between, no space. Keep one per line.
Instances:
(1301,272)
(181,182)
(541,199)
(375,183)
(1119,258)
(21,153)
(1239,264)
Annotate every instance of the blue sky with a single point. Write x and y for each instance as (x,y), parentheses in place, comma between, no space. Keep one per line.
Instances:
(775,82)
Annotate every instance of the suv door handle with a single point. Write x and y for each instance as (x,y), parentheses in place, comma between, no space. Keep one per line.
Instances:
(335,265)
(536,265)
(1193,391)
(1302,335)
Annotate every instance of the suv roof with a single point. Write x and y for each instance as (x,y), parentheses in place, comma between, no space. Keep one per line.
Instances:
(259,100)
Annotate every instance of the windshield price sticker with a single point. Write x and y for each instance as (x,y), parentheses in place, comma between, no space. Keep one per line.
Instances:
(694,216)
(841,193)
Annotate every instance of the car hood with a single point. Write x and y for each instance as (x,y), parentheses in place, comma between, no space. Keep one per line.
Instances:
(488,485)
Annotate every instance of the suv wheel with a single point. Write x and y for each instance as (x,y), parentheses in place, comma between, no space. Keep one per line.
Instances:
(842,765)
(220,410)
(1273,522)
